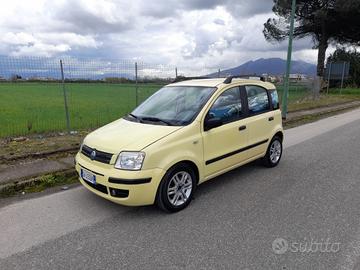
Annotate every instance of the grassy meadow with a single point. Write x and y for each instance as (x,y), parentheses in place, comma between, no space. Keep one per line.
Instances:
(39,107)
(35,107)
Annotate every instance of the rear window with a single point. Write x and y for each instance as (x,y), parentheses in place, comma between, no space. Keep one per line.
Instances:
(274,99)
(258,100)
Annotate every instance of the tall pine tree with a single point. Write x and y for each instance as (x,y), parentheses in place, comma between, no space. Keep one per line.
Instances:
(325,21)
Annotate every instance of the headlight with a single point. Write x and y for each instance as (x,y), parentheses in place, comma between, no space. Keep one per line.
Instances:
(130,161)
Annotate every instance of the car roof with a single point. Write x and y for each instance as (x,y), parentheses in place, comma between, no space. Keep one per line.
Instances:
(217,82)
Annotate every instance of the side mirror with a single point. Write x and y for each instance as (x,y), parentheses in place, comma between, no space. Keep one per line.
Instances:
(211,123)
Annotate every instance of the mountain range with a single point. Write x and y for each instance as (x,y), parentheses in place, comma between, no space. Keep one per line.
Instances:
(271,66)
(43,68)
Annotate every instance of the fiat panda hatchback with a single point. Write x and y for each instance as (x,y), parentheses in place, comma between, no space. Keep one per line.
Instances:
(183,135)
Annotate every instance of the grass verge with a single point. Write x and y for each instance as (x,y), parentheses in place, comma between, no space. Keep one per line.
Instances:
(39,184)
(313,117)
(308,103)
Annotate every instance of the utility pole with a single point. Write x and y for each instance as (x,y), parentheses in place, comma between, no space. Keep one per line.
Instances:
(288,62)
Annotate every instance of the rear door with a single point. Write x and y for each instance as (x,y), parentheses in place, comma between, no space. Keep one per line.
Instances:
(223,145)
(260,119)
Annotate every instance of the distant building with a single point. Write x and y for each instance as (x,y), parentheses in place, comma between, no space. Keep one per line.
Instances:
(297,77)
(40,79)
(270,78)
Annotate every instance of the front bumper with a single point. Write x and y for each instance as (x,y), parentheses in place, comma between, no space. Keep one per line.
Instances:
(132,188)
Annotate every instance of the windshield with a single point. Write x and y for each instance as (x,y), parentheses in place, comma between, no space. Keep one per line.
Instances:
(172,105)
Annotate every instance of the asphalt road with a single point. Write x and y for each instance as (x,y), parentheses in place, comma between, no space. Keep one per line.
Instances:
(304,214)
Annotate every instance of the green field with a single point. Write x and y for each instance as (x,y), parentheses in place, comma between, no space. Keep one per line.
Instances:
(27,108)
(296,92)
(347,91)
(39,107)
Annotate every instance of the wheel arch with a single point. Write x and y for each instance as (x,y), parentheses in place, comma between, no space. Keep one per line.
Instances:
(279,134)
(191,164)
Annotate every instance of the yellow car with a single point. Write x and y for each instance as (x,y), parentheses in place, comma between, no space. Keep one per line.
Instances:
(183,135)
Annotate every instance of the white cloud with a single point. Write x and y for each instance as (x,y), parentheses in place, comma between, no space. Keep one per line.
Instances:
(20,38)
(72,39)
(40,49)
(192,34)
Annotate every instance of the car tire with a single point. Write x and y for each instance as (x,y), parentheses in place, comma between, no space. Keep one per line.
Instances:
(273,153)
(176,188)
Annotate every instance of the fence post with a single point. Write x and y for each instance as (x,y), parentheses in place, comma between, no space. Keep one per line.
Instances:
(329,74)
(317,86)
(136,84)
(342,77)
(65,97)
(176,73)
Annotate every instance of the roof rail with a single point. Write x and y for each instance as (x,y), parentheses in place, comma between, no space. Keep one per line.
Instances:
(229,79)
(183,78)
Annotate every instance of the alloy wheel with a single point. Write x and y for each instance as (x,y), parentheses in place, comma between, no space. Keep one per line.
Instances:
(179,188)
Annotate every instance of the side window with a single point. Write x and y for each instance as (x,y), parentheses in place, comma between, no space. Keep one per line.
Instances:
(274,99)
(258,99)
(227,106)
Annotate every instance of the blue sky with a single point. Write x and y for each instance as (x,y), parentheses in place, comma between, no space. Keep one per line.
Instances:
(189,33)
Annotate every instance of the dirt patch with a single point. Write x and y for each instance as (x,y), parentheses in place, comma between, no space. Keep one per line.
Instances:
(39,146)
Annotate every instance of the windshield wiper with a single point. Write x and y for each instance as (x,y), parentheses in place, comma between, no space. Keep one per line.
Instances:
(155,119)
(136,117)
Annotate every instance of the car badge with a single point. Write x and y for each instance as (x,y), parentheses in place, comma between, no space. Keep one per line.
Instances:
(93,155)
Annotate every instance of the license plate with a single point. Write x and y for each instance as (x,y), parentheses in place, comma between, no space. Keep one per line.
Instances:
(88,176)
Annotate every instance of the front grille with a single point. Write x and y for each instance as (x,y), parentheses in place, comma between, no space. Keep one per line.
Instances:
(98,187)
(100,156)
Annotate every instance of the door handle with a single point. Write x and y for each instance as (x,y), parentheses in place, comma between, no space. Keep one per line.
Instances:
(242,128)
(271,118)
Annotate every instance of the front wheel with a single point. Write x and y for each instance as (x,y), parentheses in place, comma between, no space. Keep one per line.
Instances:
(273,153)
(176,188)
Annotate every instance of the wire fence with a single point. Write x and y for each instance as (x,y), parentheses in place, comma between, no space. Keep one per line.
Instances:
(42,95)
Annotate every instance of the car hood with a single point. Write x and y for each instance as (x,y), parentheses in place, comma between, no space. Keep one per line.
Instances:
(124,135)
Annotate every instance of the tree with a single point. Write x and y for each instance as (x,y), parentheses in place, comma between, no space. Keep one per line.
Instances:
(325,21)
(352,56)
(15,77)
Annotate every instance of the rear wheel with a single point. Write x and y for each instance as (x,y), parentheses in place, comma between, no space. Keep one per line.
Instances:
(273,153)
(176,188)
